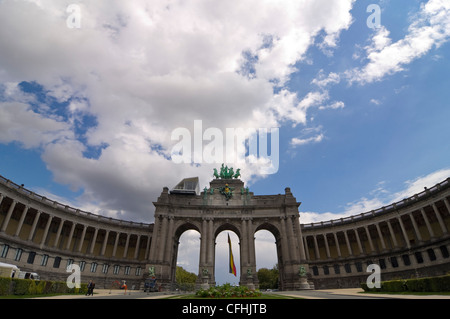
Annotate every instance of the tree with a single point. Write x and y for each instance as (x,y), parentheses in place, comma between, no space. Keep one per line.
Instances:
(268,278)
(185,280)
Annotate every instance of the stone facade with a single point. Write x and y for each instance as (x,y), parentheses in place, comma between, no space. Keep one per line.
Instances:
(407,239)
(243,213)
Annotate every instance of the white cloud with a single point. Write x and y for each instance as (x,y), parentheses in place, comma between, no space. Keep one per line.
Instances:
(381,198)
(303,141)
(142,70)
(430,29)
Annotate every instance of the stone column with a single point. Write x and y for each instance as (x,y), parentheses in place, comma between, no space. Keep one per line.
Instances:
(8,216)
(370,239)
(349,246)
(211,243)
(293,243)
(127,243)
(338,249)
(306,248)
(47,227)
(244,245)
(361,251)
(391,231)
(299,236)
(439,218)
(203,244)
(116,243)
(162,239)
(136,250)
(105,243)
(380,234)
(94,239)
(169,240)
(316,248)
(284,240)
(80,244)
(327,249)
(416,229)
(22,218)
(154,245)
(58,233)
(405,235)
(427,222)
(251,245)
(147,248)
(33,227)
(69,240)
(445,202)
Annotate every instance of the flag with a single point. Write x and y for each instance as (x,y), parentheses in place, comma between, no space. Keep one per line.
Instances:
(232,266)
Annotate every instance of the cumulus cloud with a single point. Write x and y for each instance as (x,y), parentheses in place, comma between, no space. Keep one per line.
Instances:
(135,71)
(381,197)
(431,29)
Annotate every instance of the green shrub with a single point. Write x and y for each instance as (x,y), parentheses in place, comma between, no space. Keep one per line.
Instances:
(228,291)
(5,286)
(428,284)
(21,286)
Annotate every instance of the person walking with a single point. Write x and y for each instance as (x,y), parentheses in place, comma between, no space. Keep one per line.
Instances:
(90,286)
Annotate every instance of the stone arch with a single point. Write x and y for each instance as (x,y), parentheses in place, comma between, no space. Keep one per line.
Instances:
(227,225)
(210,213)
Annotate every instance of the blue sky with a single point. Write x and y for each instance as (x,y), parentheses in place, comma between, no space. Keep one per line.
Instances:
(87,111)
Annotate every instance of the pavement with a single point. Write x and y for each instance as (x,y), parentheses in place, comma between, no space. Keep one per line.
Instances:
(353,293)
(350,293)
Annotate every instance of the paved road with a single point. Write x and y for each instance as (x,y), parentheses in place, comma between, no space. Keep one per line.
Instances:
(353,293)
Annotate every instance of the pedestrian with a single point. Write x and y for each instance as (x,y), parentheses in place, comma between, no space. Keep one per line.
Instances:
(90,287)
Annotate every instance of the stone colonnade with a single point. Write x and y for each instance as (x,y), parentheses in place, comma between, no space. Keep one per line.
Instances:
(32,226)
(409,230)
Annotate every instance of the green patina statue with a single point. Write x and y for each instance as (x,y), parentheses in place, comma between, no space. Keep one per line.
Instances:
(227,173)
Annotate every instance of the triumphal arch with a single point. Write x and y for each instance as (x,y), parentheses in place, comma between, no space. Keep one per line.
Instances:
(227,205)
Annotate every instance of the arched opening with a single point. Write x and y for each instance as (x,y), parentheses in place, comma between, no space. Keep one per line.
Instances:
(266,260)
(222,256)
(186,255)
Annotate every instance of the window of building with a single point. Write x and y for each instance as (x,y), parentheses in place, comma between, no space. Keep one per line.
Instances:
(358,265)
(406,260)
(382,263)
(105,268)
(431,254)
(419,257)
(315,271)
(348,268)
(44,260)
(69,262)
(82,265)
(138,271)
(326,270)
(116,269)
(57,262)
(94,267)
(394,261)
(127,270)
(31,257)
(18,255)
(5,250)
(444,251)
(337,269)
